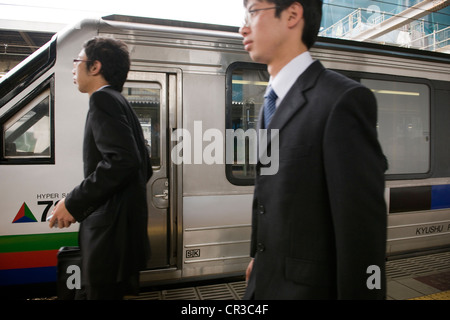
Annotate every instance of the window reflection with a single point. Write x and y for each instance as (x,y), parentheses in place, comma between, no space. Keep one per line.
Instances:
(247,97)
(145,101)
(28,133)
(403,124)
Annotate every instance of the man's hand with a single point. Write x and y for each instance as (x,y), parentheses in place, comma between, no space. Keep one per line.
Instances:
(249,270)
(61,215)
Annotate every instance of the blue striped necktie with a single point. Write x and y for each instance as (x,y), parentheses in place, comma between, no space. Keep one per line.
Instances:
(269,106)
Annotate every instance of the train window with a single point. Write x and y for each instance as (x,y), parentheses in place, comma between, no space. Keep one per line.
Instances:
(246,84)
(144,98)
(403,124)
(27,134)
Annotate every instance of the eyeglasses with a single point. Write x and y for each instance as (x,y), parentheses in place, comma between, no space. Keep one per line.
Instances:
(80,60)
(250,14)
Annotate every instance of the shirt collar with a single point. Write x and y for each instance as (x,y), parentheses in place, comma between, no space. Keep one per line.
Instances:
(103,87)
(286,78)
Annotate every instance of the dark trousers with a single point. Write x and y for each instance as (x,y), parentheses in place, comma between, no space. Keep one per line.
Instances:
(104,292)
(115,291)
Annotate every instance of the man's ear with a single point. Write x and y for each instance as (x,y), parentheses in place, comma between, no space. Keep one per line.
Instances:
(295,14)
(95,68)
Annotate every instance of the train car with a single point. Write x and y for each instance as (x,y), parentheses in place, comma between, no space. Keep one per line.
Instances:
(198,95)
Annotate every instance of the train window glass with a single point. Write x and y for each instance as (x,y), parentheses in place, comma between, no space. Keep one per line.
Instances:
(144,98)
(244,101)
(403,124)
(28,133)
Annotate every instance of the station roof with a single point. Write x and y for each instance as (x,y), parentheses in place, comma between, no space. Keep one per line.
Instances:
(21,38)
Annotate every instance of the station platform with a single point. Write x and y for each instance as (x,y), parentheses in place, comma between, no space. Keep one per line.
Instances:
(424,277)
(419,278)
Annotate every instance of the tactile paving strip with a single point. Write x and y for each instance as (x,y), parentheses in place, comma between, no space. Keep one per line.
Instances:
(224,291)
(418,266)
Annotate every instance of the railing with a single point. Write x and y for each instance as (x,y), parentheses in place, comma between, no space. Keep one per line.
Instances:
(434,41)
(353,24)
(345,26)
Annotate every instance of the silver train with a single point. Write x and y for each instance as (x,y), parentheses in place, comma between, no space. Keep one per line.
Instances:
(197,95)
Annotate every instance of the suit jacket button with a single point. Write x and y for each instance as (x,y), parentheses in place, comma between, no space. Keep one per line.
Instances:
(261,247)
(261,209)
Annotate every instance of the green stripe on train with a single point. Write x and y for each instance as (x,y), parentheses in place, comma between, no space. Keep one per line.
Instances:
(37,242)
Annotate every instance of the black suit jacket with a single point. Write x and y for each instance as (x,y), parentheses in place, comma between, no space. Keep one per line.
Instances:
(111,201)
(320,222)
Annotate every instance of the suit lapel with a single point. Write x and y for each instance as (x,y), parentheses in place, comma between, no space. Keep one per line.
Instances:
(295,99)
(293,102)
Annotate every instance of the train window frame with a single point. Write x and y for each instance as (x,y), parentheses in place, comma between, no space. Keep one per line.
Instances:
(46,90)
(358,76)
(15,81)
(147,127)
(422,121)
(232,68)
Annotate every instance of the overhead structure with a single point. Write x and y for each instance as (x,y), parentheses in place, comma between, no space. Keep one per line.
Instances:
(395,22)
(21,38)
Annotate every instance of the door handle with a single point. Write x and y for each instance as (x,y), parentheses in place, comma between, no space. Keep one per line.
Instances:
(164,196)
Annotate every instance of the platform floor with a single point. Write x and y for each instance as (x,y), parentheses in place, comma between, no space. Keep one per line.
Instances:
(417,278)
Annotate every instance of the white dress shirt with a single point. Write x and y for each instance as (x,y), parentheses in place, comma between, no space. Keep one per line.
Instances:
(286,78)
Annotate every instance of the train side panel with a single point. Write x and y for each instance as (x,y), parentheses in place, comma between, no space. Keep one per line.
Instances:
(33,182)
(202,83)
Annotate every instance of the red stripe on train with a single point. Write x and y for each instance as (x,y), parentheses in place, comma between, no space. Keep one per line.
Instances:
(29,259)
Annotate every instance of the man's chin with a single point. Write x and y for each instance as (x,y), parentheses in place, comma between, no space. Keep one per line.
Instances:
(256,58)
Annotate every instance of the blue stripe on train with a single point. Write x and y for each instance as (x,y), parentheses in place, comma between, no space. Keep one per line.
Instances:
(419,198)
(27,276)
(440,197)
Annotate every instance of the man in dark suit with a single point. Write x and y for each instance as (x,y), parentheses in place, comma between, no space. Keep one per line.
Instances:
(319,223)
(111,201)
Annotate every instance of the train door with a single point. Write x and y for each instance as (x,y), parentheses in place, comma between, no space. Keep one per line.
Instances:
(149,96)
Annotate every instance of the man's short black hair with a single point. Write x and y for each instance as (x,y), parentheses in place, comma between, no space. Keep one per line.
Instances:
(114,57)
(312,13)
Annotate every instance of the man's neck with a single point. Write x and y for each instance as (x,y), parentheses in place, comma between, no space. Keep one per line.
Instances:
(283,58)
(98,85)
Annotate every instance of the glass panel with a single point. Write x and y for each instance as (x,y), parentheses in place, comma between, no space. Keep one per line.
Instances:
(145,100)
(248,87)
(403,124)
(27,135)
(424,29)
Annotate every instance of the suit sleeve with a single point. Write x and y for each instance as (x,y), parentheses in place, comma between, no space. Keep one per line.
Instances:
(114,139)
(355,166)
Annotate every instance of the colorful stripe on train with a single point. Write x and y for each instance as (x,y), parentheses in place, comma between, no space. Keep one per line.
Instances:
(27,259)
(421,198)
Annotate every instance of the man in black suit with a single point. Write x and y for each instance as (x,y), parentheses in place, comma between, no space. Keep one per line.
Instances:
(319,223)
(110,203)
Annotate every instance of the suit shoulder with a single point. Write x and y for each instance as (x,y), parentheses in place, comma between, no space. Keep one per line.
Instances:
(106,93)
(106,100)
(339,85)
(102,95)
(339,80)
